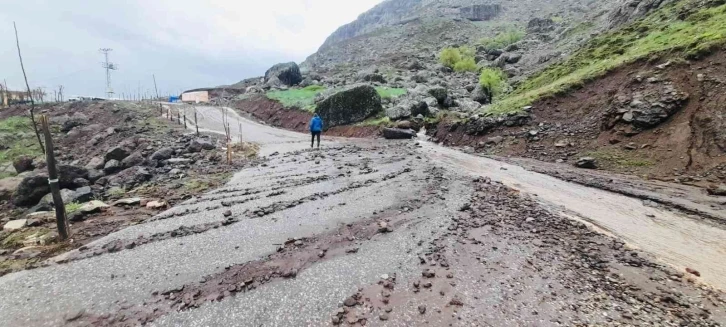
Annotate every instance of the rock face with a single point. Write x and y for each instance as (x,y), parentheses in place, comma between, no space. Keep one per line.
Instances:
(285,74)
(632,10)
(648,106)
(397,134)
(480,12)
(350,106)
(540,25)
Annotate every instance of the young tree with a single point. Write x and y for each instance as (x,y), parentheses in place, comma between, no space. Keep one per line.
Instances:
(32,103)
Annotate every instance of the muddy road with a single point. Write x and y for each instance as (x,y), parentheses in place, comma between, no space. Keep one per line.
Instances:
(384,233)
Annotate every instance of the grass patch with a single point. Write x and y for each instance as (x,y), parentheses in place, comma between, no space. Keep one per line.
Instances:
(676,30)
(115,192)
(390,92)
(619,158)
(378,121)
(15,239)
(72,207)
(503,39)
(17,134)
(297,98)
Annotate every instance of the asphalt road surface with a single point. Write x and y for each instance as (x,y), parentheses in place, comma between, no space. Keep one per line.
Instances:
(385,233)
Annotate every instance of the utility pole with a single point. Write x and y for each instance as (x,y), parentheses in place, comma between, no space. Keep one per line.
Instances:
(109,66)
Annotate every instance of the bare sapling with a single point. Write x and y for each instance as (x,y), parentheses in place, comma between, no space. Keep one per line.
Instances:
(30,94)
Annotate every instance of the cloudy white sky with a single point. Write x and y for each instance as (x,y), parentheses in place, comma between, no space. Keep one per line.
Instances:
(185,43)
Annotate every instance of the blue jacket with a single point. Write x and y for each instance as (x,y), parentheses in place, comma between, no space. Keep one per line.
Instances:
(316,124)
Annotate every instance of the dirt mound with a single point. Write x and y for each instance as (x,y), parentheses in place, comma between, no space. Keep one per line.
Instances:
(662,119)
(273,113)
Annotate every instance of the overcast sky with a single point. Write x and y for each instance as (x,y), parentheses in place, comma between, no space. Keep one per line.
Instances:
(185,43)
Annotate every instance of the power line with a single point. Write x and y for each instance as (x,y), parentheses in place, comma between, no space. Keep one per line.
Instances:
(109,66)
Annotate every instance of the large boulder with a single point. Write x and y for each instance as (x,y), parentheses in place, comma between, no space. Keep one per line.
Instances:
(68,176)
(23,164)
(130,178)
(199,144)
(350,106)
(481,95)
(116,153)
(439,93)
(408,108)
(162,154)
(80,195)
(31,190)
(396,133)
(95,163)
(134,159)
(8,185)
(112,166)
(285,74)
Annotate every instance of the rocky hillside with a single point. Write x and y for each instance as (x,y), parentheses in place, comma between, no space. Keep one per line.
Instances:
(554,80)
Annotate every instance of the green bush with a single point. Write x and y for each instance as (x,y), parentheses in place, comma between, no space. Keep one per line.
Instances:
(450,56)
(460,59)
(502,40)
(466,65)
(493,79)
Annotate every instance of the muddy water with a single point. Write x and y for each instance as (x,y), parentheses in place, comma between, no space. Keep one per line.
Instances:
(673,238)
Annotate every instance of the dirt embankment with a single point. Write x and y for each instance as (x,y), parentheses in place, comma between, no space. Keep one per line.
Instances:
(273,113)
(662,120)
(120,163)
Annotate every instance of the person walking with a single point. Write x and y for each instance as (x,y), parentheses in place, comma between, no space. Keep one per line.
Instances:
(316,128)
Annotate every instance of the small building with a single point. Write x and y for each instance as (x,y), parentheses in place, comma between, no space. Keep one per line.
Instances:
(195,96)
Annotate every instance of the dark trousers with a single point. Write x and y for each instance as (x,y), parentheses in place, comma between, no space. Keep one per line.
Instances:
(312,143)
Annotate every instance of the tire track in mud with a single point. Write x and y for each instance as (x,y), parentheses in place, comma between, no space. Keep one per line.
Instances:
(291,257)
(231,218)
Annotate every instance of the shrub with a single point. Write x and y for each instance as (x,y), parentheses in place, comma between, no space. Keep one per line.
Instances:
(466,65)
(502,40)
(460,59)
(492,79)
(450,56)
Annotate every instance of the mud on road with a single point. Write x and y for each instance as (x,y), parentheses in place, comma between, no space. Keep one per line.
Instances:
(381,235)
(368,232)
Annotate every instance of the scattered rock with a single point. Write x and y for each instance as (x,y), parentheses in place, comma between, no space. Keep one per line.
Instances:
(586,162)
(8,185)
(395,133)
(199,144)
(693,272)
(156,204)
(717,190)
(15,225)
(162,154)
(127,202)
(350,301)
(112,166)
(422,309)
(116,153)
(23,164)
(93,207)
(227,213)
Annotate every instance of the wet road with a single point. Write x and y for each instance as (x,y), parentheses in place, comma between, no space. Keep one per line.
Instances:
(312,195)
